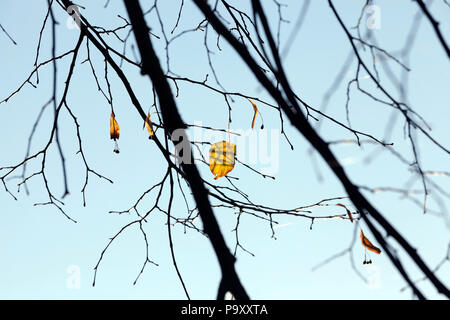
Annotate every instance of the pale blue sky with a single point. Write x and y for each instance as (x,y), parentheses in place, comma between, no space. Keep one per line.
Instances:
(38,245)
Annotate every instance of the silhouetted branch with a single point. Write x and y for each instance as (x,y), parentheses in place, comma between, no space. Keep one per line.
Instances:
(172,122)
(293,112)
(435,26)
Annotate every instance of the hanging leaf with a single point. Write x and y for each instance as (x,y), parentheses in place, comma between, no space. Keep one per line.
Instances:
(348,211)
(114,131)
(148,124)
(222,158)
(255,109)
(368,245)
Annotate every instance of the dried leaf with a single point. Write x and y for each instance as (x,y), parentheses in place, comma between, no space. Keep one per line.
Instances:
(114,129)
(348,211)
(367,244)
(148,124)
(255,109)
(222,158)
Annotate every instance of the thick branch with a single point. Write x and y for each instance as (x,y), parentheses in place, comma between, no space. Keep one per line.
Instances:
(173,121)
(296,117)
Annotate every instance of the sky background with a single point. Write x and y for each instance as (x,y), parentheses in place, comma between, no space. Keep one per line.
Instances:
(41,251)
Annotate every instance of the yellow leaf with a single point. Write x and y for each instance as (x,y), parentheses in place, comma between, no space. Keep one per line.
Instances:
(222,158)
(148,124)
(255,109)
(114,129)
(367,244)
